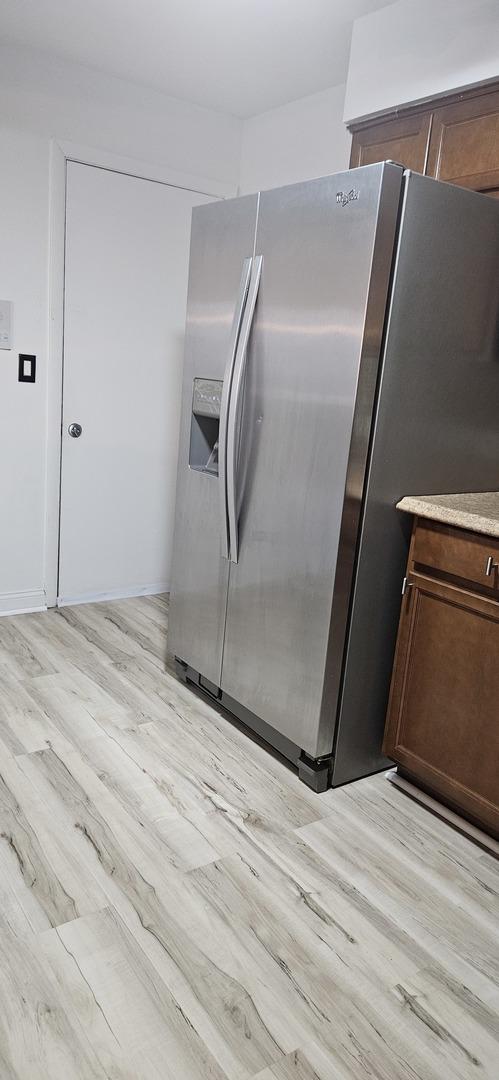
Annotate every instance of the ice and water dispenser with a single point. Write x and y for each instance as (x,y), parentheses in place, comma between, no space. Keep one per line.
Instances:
(205,425)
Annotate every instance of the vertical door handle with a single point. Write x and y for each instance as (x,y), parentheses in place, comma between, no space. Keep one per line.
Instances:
(224,406)
(234,419)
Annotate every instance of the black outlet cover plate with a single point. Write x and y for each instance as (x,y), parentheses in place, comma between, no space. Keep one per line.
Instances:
(27,358)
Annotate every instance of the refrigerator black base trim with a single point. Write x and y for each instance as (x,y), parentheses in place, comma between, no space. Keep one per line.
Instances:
(314,772)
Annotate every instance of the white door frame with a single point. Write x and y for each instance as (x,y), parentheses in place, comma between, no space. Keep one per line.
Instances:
(60,153)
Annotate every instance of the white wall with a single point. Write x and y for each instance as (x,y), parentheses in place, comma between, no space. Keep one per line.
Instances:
(41,100)
(71,102)
(295,142)
(415,49)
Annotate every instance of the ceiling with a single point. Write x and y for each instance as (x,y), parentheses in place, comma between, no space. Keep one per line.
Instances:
(238,56)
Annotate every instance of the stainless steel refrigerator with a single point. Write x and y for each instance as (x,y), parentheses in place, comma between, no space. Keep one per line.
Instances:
(341,352)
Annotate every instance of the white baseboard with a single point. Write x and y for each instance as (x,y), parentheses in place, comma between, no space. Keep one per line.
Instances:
(18,603)
(114,594)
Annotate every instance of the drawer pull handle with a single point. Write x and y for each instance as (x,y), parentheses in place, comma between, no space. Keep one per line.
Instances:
(491,565)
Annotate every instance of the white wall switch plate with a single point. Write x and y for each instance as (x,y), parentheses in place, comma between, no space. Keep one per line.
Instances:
(5,324)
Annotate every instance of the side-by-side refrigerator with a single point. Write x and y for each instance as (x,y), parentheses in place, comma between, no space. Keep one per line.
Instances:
(342,350)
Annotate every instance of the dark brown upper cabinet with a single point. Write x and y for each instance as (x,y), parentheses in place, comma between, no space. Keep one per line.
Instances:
(456,139)
(464,146)
(405,141)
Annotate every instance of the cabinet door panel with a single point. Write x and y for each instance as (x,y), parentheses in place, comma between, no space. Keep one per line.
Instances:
(464,145)
(402,140)
(442,720)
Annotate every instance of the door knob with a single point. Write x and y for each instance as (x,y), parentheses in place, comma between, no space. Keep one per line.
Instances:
(75,430)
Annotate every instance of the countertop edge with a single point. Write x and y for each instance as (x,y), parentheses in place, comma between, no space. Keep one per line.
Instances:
(446,515)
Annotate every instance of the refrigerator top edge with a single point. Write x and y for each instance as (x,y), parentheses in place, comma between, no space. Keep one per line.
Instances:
(469,194)
(379,166)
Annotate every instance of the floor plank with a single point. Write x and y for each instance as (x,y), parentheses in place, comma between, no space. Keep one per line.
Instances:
(175,904)
(309,1063)
(134,1024)
(39,1039)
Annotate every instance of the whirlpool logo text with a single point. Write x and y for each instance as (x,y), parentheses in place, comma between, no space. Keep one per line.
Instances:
(345,197)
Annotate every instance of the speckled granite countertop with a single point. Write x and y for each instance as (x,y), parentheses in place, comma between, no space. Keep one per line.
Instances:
(477,511)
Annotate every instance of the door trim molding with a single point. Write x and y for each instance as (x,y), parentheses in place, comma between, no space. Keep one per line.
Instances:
(62,151)
(57,222)
(143,170)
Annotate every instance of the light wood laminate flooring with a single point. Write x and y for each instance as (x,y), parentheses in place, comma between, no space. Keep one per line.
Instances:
(174,904)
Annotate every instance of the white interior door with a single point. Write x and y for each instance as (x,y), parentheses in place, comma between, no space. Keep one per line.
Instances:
(127,257)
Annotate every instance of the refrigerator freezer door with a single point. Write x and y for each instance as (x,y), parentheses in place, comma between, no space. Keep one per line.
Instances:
(311,372)
(223,237)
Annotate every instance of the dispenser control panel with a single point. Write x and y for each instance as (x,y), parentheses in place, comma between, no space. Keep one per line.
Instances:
(207,397)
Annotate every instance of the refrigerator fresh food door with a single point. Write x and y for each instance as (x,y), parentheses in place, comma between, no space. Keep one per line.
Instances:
(222,246)
(310,380)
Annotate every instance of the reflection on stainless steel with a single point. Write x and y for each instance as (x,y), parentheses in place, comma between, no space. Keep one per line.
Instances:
(211,320)
(239,310)
(318,330)
(356,380)
(233,425)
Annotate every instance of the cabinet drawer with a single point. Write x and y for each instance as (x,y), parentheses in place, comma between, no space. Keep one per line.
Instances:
(457,552)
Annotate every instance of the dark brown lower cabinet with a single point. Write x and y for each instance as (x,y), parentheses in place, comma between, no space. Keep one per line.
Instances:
(443,717)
